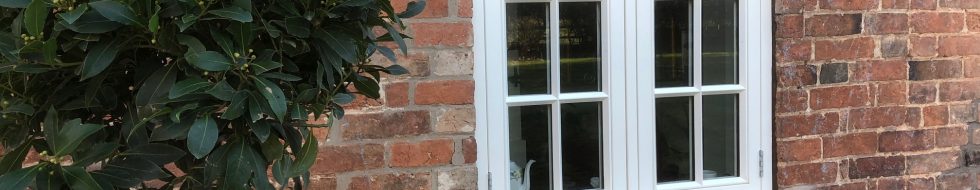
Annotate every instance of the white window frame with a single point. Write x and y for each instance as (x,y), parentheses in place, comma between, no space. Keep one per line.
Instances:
(626,97)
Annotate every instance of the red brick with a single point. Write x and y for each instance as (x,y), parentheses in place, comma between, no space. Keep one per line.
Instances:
(850,144)
(888,184)
(396,94)
(838,97)
(876,167)
(893,141)
(815,173)
(962,4)
(427,34)
(914,118)
(328,182)
(959,46)
(433,8)
(791,101)
(959,180)
(798,150)
(935,162)
(935,69)
(880,70)
(877,117)
(848,4)
(923,46)
(971,67)
(921,183)
(425,153)
(891,93)
(923,4)
(789,26)
(888,23)
(894,4)
(465,8)
(451,92)
(959,91)
(951,136)
(849,186)
(935,115)
(794,6)
(790,50)
(854,48)
(414,181)
(386,125)
(802,125)
(345,158)
(469,150)
(922,93)
(937,22)
(973,21)
(797,75)
(833,25)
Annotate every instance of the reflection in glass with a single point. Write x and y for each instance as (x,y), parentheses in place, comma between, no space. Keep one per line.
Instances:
(581,138)
(675,146)
(580,46)
(530,146)
(719,40)
(720,132)
(527,48)
(673,43)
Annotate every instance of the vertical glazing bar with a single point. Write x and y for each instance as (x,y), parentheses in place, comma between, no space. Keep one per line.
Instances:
(698,128)
(554,41)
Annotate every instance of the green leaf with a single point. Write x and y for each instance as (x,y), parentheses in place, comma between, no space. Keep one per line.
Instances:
(34,17)
(367,87)
(233,13)
(242,33)
(187,86)
(71,16)
(298,26)
(280,169)
(202,136)
(193,45)
(397,70)
(14,3)
(343,98)
(92,23)
(172,130)
(298,112)
(398,38)
(223,41)
(262,129)
(257,108)
(22,108)
(237,106)
(157,153)
(116,11)
(273,149)
(156,86)
(175,115)
(71,136)
(342,44)
(95,153)
(262,66)
(273,94)
(238,165)
(222,90)
(99,57)
(209,61)
(154,23)
(305,157)
(52,123)
(79,179)
(50,49)
(413,8)
(14,159)
(19,179)
(281,76)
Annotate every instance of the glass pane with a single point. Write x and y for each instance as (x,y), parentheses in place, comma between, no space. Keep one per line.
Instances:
(719,39)
(675,146)
(720,122)
(673,42)
(580,42)
(527,48)
(581,138)
(530,146)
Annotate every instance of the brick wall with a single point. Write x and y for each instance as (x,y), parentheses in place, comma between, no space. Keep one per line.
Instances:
(420,134)
(877,94)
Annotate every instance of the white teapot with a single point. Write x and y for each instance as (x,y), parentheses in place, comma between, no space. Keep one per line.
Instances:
(519,180)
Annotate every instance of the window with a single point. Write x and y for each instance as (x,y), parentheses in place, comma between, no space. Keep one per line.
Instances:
(635,94)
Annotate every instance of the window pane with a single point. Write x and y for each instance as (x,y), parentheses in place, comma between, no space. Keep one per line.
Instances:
(530,146)
(673,42)
(674,143)
(720,135)
(527,48)
(581,138)
(580,42)
(719,39)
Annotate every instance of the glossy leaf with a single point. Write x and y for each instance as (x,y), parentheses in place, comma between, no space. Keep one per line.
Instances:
(115,11)
(14,159)
(209,61)
(187,86)
(99,58)
(233,13)
(14,3)
(71,135)
(273,94)
(202,136)
(19,179)
(71,16)
(305,157)
(157,153)
(237,106)
(222,90)
(35,16)
(79,179)
(157,86)
(92,22)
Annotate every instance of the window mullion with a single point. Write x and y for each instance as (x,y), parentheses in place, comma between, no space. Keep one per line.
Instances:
(698,128)
(555,77)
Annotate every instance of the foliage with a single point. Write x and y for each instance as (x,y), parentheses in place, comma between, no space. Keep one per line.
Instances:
(109,92)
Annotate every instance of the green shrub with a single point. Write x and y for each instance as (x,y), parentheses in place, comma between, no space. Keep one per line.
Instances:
(107,92)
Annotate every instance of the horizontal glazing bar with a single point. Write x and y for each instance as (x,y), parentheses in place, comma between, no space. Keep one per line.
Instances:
(675,91)
(530,100)
(722,89)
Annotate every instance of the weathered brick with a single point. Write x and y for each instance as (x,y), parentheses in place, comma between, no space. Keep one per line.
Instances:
(923,4)
(959,91)
(415,181)
(848,186)
(888,184)
(791,100)
(424,153)
(396,94)
(894,46)
(971,156)
(921,183)
(880,70)
(328,182)
(959,114)
(848,4)
(801,125)
(457,179)
(973,21)
(971,67)
(922,93)
(833,25)
(876,167)
(788,50)
(465,8)
(854,48)
(796,75)
(887,23)
(789,26)
(894,141)
(469,150)
(451,92)
(937,22)
(951,136)
(962,4)
(451,63)
(923,46)
(455,34)
(814,173)
(850,144)
(386,125)
(959,180)
(936,69)
(959,46)
(877,117)
(935,115)
(344,158)
(833,73)
(894,4)
(935,162)
(461,120)
(794,6)
(839,97)
(799,150)
(891,93)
